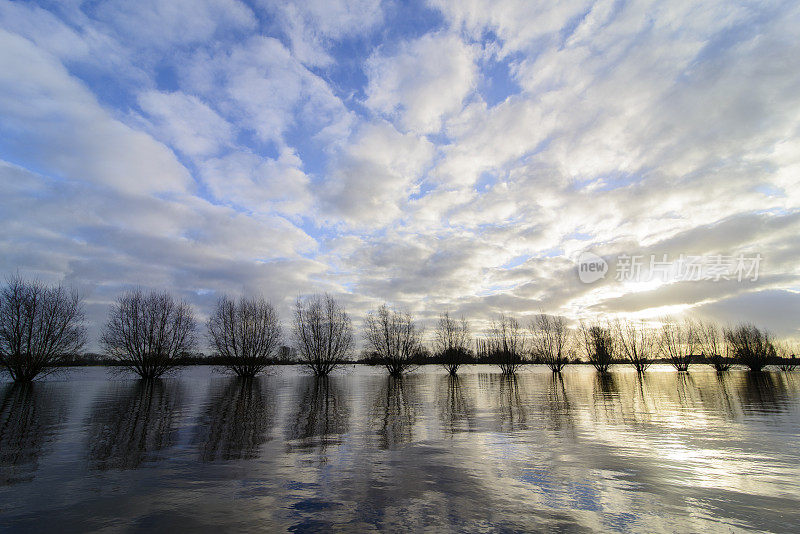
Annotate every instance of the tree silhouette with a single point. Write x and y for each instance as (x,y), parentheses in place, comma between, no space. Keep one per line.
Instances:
(245,333)
(323,333)
(451,342)
(551,342)
(147,333)
(394,337)
(40,326)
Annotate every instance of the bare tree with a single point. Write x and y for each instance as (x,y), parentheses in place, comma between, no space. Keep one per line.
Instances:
(395,338)
(787,354)
(551,342)
(635,343)
(711,341)
(40,327)
(507,344)
(751,346)
(451,342)
(148,332)
(245,333)
(598,346)
(323,333)
(678,342)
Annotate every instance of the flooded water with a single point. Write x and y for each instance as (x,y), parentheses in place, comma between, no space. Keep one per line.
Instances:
(89,451)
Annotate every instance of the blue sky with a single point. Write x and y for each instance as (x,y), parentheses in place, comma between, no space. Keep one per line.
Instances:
(435,155)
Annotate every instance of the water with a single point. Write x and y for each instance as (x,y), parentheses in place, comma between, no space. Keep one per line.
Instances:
(89,451)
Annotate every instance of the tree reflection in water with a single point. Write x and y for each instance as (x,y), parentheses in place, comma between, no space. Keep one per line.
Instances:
(629,452)
(133,424)
(686,388)
(237,420)
(606,399)
(395,411)
(505,391)
(607,387)
(28,416)
(321,417)
(763,392)
(721,398)
(456,409)
(558,405)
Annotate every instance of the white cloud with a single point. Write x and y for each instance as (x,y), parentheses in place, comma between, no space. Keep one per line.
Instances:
(519,24)
(104,241)
(263,88)
(71,39)
(371,181)
(423,82)
(186,122)
(57,124)
(313,25)
(152,23)
(259,184)
(624,128)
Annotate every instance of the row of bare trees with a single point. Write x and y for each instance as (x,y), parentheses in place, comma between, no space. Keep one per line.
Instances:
(550,341)
(245,333)
(149,332)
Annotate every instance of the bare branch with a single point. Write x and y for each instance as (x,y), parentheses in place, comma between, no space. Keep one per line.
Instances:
(678,342)
(635,343)
(507,344)
(751,346)
(551,341)
(40,326)
(394,337)
(323,333)
(452,342)
(147,333)
(711,341)
(245,333)
(598,345)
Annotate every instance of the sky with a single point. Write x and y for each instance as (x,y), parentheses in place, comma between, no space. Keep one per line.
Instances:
(434,155)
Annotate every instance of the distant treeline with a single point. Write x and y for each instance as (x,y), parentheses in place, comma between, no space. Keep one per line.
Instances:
(365,358)
(42,328)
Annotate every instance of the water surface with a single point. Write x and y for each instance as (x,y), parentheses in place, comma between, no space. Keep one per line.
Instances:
(89,451)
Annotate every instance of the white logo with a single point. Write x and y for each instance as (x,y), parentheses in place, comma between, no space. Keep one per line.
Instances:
(591,267)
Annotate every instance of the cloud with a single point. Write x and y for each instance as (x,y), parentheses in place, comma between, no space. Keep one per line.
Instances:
(518,24)
(376,172)
(458,159)
(423,82)
(186,122)
(71,37)
(264,89)
(151,23)
(52,122)
(259,184)
(312,26)
(775,309)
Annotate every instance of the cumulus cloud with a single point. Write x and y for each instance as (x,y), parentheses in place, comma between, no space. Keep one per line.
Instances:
(312,26)
(186,122)
(259,184)
(103,241)
(456,160)
(518,24)
(151,23)
(52,122)
(372,179)
(264,88)
(423,82)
